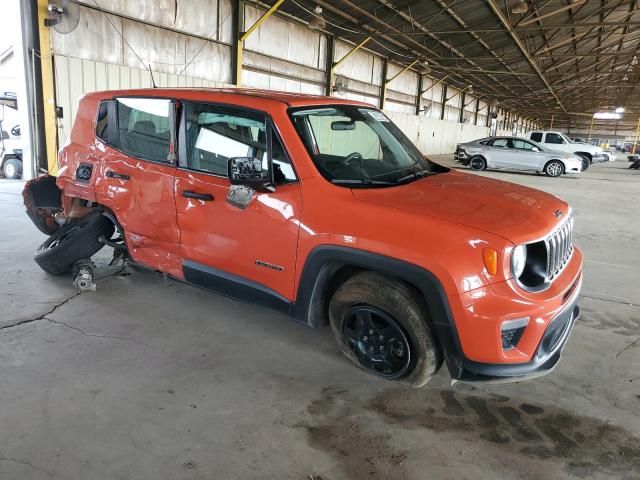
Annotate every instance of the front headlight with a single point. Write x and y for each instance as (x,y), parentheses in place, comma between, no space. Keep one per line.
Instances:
(518,260)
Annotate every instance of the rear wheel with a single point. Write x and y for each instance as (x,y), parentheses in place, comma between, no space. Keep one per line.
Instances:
(383,328)
(12,168)
(554,168)
(73,241)
(477,163)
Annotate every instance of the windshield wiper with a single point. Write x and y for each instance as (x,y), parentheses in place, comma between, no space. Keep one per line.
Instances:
(416,175)
(359,181)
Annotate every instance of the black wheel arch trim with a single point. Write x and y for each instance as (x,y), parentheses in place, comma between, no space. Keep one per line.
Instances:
(325,260)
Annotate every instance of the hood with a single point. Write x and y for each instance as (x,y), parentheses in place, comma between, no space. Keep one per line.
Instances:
(516,213)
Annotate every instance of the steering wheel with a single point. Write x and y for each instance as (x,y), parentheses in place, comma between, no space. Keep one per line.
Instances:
(351,157)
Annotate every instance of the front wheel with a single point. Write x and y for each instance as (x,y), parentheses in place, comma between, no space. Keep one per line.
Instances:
(383,327)
(554,168)
(586,162)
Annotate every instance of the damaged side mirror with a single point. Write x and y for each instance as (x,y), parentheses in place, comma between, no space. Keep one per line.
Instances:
(248,171)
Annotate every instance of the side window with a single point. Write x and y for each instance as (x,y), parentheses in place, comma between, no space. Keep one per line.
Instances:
(102,122)
(501,142)
(143,128)
(522,145)
(215,134)
(536,137)
(282,169)
(553,138)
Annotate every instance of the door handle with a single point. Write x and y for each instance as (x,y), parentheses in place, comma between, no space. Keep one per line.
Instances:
(120,176)
(199,196)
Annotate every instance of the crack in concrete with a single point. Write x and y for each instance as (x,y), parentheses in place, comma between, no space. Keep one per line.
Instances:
(97,335)
(611,300)
(41,317)
(28,464)
(628,347)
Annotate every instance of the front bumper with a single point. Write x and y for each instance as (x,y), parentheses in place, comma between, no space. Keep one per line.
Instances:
(471,338)
(599,157)
(461,156)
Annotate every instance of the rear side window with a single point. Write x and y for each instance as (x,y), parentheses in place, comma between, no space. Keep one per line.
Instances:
(522,145)
(144,127)
(501,142)
(553,138)
(102,122)
(536,136)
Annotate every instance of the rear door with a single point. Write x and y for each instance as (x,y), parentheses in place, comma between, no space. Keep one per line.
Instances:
(498,153)
(136,176)
(242,250)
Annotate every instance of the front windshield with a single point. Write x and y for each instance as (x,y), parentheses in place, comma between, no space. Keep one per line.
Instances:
(358,145)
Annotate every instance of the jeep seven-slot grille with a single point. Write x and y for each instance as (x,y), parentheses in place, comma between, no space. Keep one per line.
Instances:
(559,248)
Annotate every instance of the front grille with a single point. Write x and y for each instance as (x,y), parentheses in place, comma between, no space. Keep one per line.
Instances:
(559,248)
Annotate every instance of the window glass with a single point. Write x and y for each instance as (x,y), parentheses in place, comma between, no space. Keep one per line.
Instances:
(522,145)
(553,138)
(143,127)
(501,142)
(102,121)
(536,136)
(356,145)
(214,135)
(282,168)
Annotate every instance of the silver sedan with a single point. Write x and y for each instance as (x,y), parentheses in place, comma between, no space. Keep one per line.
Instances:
(513,153)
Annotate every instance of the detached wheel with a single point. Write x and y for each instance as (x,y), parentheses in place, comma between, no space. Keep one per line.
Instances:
(586,163)
(554,168)
(12,169)
(477,163)
(383,328)
(73,241)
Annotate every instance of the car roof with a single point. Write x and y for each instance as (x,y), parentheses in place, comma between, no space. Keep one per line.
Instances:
(287,98)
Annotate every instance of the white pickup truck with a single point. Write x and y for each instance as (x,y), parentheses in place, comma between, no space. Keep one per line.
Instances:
(559,141)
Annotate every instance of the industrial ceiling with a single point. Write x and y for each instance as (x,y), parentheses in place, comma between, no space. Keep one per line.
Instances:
(541,58)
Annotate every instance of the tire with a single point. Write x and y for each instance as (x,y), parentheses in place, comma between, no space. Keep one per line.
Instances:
(554,168)
(586,163)
(477,163)
(635,165)
(73,241)
(12,168)
(385,299)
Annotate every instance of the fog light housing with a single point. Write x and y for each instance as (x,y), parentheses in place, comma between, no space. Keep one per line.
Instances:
(511,332)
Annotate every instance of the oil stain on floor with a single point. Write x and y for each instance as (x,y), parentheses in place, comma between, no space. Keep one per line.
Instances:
(349,429)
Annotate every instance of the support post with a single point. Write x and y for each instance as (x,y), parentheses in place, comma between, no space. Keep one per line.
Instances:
(461,116)
(237,26)
(591,128)
(475,116)
(328,69)
(48,91)
(637,136)
(419,95)
(383,83)
(444,101)
(552,117)
(243,36)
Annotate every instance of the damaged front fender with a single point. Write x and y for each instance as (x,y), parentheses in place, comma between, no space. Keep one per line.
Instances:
(43,199)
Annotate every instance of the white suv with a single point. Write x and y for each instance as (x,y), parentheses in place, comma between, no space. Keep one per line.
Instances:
(559,141)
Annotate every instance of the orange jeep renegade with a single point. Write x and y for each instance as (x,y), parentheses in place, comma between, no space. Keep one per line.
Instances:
(322,209)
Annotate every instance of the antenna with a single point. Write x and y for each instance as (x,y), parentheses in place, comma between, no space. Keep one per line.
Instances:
(153,81)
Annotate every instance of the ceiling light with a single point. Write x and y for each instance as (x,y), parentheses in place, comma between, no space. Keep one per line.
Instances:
(317,22)
(620,110)
(634,60)
(520,7)
(625,78)
(607,116)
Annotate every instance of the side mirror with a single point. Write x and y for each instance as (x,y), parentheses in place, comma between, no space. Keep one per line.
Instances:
(247,171)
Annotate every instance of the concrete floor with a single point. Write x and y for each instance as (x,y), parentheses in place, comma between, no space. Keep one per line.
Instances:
(152,379)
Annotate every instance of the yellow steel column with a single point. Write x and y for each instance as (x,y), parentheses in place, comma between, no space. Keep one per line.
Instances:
(48,93)
(591,128)
(246,34)
(552,117)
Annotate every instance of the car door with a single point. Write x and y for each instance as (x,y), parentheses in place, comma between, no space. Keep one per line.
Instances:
(498,153)
(555,141)
(136,176)
(244,250)
(526,156)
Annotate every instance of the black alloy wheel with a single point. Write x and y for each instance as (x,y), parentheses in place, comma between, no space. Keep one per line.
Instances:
(377,340)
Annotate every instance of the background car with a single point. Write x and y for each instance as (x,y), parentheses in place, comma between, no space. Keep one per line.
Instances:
(513,153)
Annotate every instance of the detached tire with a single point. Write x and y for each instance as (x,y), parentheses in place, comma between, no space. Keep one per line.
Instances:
(73,241)
(12,169)
(383,327)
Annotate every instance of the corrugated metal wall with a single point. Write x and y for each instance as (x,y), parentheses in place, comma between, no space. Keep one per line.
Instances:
(185,50)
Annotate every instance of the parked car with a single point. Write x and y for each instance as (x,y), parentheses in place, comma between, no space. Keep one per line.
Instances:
(610,155)
(513,153)
(559,141)
(10,143)
(322,209)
